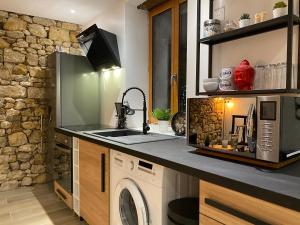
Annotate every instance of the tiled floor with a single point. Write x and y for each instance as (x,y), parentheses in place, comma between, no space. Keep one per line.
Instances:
(35,206)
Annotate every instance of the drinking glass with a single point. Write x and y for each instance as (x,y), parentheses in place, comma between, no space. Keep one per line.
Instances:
(282,75)
(272,77)
(277,84)
(259,77)
(267,77)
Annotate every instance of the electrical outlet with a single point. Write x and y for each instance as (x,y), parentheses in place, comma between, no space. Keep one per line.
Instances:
(219,13)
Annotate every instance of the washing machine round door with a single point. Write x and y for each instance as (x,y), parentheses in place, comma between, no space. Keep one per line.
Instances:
(130,204)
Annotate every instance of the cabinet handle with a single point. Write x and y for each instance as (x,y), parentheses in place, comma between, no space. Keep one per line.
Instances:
(234,212)
(103,172)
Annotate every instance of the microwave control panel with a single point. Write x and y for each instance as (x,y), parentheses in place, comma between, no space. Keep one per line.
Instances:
(268,123)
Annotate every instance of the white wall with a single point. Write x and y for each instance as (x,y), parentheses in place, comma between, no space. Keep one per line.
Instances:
(136,61)
(131,27)
(261,49)
(191,48)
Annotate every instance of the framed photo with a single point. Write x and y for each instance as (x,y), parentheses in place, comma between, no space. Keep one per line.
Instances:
(239,127)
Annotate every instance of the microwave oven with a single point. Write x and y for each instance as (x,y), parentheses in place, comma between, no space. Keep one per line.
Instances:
(275,130)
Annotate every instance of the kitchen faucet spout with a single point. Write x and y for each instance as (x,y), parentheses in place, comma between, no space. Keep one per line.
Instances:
(146,127)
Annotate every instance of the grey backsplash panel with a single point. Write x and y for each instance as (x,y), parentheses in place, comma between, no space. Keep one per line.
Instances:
(80,100)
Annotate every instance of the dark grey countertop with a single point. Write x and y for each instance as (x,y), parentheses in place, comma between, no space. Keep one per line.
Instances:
(280,186)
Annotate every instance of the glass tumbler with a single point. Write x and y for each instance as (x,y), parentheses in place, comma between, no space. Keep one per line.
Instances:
(282,75)
(267,77)
(259,77)
(272,77)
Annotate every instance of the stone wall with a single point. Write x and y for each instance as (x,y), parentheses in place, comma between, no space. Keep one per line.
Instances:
(25,42)
(206,119)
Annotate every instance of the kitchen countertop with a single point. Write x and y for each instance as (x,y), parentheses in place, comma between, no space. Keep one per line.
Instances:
(281,186)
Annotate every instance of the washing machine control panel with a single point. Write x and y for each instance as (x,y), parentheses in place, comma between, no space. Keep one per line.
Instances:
(145,170)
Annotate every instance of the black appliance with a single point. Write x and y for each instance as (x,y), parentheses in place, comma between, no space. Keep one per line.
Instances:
(100,47)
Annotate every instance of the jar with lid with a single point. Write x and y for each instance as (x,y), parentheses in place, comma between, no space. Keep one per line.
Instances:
(211,27)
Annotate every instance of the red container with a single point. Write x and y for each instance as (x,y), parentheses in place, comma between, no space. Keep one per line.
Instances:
(244,76)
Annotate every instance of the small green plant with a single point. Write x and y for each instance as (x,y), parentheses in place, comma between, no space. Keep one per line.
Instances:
(279,5)
(245,16)
(162,114)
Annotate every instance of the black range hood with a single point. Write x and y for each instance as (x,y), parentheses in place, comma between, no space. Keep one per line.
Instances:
(100,47)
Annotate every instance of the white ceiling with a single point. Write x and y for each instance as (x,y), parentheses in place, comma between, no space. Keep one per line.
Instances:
(85,10)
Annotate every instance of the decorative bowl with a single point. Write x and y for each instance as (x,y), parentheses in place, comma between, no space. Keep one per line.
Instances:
(211,86)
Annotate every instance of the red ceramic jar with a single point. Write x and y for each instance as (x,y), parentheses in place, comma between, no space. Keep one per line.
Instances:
(244,76)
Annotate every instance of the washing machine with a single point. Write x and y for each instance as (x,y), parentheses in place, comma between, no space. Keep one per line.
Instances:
(141,190)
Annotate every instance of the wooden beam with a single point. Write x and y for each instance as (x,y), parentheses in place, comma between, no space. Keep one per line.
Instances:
(150,4)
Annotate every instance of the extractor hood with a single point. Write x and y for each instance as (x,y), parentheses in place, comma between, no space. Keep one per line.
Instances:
(100,47)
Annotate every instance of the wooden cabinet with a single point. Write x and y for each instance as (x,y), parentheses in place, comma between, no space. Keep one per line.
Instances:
(94,183)
(230,207)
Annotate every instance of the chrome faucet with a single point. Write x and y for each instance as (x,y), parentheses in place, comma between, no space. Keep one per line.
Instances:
(146,127)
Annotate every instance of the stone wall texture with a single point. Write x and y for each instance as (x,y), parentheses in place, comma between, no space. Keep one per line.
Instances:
(206,119)
(25,42)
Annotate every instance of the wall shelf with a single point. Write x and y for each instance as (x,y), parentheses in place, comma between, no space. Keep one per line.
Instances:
(288,21)
(263,27)
(252,92)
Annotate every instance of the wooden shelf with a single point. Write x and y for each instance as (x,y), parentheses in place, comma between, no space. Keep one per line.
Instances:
(263,27)
(253,92)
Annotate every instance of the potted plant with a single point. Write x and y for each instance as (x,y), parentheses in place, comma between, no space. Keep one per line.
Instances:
(244,20)
(279,9)
(163,116)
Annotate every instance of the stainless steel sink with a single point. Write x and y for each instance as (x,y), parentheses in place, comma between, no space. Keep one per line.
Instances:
(129,136)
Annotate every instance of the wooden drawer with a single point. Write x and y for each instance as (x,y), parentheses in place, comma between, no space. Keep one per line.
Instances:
(205,220)
(63,195)
(230,207)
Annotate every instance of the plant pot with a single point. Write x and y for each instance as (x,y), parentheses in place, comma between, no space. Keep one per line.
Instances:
(279,12)
(244,23)
(163,126)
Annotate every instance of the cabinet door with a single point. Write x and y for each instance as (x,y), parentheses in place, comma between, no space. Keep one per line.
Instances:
(94,183)
(231,207)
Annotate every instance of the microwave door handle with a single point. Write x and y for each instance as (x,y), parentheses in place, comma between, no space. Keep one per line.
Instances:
(234,212)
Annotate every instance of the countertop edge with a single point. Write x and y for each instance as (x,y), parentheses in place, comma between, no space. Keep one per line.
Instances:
(254,191)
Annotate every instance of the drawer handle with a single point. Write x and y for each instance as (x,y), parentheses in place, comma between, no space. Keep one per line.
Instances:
(234,212)
(103,172)
(61,194)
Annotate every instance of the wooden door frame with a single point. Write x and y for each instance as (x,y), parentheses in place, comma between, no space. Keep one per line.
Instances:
(174,6)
